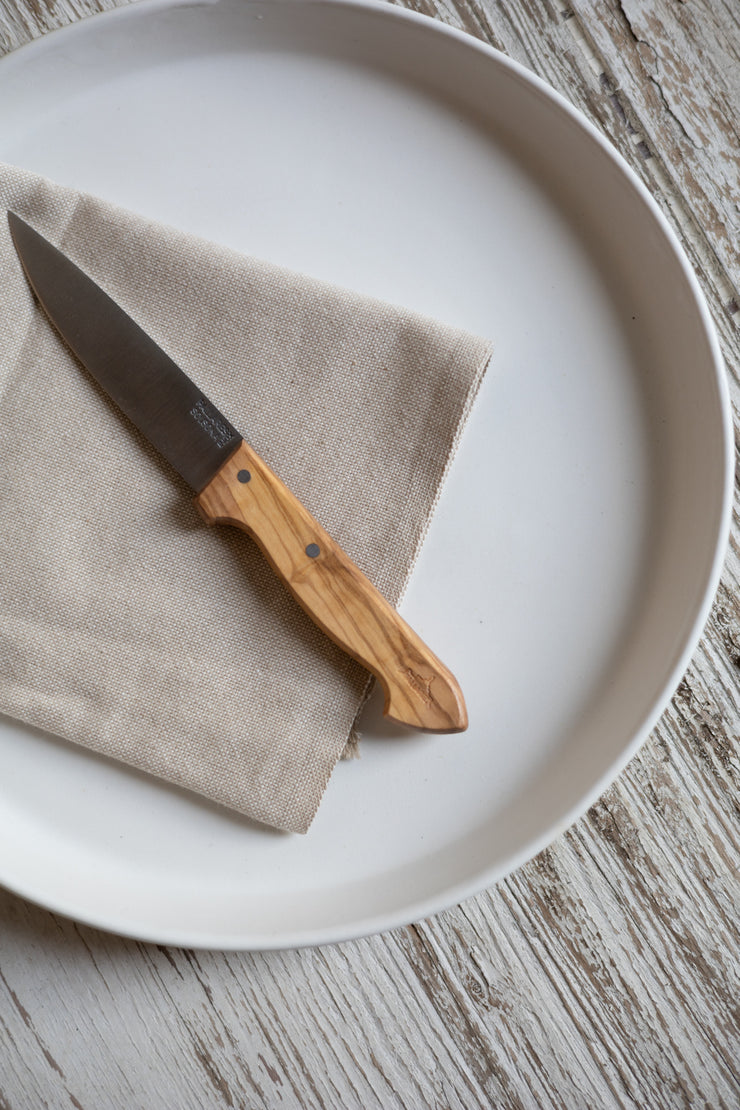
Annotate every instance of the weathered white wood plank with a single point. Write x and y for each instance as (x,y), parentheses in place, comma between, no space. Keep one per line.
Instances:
(606,972)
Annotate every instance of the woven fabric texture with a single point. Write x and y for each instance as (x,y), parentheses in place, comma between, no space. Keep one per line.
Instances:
(126,624)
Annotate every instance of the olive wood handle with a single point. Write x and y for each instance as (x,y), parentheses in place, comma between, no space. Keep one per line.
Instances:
(419,690)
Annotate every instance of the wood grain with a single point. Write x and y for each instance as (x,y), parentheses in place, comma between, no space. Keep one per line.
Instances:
(419,690)
(605,973)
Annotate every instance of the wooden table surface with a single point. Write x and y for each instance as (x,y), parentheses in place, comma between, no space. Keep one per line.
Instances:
(604,973)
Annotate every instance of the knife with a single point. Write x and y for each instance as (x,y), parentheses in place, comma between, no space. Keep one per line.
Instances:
(234,486)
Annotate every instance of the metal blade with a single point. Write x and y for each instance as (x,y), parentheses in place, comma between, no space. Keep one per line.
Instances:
(151,389)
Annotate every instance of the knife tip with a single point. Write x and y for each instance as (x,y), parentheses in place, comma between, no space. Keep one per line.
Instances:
(24,236)
(15,223)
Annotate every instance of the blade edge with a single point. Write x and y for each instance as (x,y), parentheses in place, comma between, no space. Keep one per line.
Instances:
(148,386)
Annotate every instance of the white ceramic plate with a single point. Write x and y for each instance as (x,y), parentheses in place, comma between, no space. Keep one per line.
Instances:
(577,547)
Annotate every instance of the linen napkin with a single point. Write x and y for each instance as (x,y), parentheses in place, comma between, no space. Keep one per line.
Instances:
(126,624)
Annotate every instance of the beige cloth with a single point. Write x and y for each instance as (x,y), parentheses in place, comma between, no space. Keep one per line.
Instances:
(126,624)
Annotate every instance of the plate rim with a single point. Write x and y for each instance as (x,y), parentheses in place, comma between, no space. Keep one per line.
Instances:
(487,877)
